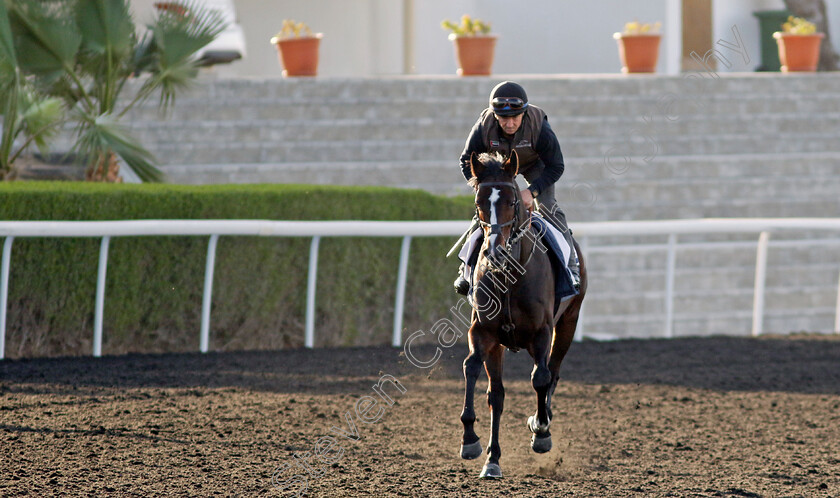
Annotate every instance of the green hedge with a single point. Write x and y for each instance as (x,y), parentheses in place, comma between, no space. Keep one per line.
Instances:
(154,284)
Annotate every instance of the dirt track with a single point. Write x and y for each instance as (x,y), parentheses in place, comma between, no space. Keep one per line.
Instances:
(688,417)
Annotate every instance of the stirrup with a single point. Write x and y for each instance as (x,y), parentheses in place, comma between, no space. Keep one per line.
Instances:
(574,269)
(462,285)
(575,277)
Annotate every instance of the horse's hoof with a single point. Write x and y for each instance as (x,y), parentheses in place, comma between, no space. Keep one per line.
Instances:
(491,471)
(471,451)
(534,426)
(541,444)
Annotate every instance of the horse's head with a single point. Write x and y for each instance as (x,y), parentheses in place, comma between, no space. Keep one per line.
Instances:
(498,203)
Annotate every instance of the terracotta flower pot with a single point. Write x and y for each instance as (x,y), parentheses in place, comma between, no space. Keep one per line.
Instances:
(174,7)
(639,53)
(299,56)
(798,52)
(474,54)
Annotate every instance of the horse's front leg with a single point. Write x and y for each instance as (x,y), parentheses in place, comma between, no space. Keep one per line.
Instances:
(496,402)
(470,444)
(541,381)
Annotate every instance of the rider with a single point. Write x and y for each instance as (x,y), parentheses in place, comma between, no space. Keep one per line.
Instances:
(512,123)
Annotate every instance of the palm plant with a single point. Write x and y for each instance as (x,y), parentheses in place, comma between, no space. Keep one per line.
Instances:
(25,113)
(83,52)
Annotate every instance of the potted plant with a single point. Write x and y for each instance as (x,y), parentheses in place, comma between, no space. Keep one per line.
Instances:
(638,47)
(297,48)
(175,8)
(799,45)
(474,46)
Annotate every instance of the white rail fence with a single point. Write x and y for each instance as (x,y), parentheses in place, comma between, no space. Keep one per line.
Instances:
(762,227)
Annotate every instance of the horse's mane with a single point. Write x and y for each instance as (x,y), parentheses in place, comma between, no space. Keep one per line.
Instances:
(493,162)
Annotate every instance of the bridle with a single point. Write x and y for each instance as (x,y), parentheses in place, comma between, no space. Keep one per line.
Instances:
(517,232)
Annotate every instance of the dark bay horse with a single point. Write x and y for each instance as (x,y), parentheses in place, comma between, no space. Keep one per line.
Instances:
(513,307)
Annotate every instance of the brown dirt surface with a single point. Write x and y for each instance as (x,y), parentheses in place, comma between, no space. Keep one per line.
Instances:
(732,417)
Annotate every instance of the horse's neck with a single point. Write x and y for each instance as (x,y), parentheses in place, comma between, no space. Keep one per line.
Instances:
(526,243)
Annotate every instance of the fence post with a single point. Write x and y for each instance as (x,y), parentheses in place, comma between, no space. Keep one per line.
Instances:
(206,300)
(100,296)
(4,292)
(836,311)
(312,280)
(670,272)
(399,304)
(760,277)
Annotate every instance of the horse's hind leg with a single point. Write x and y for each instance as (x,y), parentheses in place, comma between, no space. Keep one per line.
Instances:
(470,444)
(541,380)
(496,402)
(564,333)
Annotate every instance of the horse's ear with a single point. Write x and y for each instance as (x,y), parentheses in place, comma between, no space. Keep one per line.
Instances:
(476,166)
(511,166)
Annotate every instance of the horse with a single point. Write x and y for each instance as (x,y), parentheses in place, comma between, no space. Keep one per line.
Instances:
(513,306)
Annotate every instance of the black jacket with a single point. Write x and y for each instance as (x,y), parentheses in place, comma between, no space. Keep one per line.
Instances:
(547,148)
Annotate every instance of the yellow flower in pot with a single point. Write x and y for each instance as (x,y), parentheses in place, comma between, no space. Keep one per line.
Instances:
(474,46)
(297,48)
(638,47)
(799,45)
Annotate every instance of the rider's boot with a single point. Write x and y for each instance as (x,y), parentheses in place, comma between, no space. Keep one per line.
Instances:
(462,285)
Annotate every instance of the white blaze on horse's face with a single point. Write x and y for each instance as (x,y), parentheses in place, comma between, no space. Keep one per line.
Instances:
(494,198)
(494,217)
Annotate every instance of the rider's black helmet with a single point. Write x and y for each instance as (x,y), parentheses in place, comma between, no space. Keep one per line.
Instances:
(508,99)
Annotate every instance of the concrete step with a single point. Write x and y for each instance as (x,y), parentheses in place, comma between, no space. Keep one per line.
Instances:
(540,87)
(618,285)
(779,258)
(594,203)
(723,299)
(586,206)
(673,108)
(213,149)
(418,87)
(423,175)
(568,129)
(613,168)
(792,321)
(671,96)
(674,113)
(660,182)
(723,191)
